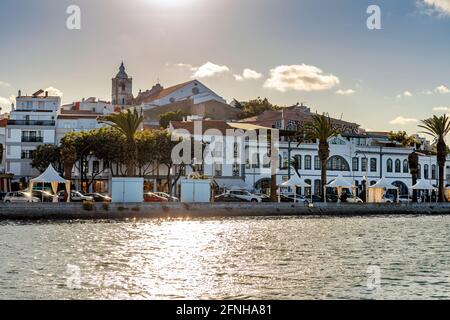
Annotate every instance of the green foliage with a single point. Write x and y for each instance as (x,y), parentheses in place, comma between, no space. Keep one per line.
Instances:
(166,118)
(403,138)
(256,107)
(45,155)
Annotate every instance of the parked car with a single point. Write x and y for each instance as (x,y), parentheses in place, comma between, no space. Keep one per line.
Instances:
(2,195)
(153,197)
(264,197)
(404,199)
(352,199)
(167,196)
(75,196)
(19,196)
(245,195)
(388,198)
(43,196)
(98,197)
(291,198)
(226,197)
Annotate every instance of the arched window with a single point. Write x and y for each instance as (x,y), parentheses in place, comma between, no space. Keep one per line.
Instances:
(433,172)
(389,165)
(405,166)
(355,164)
(308,160)
(398,166)
(426,169)
(317,187)
(337,163)
(123,86)
(298,162)
(317,164)
(419,171)
(308,189)
(373,165)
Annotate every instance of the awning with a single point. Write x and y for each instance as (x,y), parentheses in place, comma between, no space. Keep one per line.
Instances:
(296,181)
(340,182)
(423,185)
(231,183)
(383,184)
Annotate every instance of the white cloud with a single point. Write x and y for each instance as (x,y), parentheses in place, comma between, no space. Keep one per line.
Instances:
(440,7)
(300,78)
(441,109)
(442,90)
(52,91)
(185,65)
(209,69)
(345,92)
(405,94)
(248,74)
(403,121)
(5,84)
(427,92)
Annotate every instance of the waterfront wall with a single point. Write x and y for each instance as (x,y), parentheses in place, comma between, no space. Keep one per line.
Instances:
(74,211)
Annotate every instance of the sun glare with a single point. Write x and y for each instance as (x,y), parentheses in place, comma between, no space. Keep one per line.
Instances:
(171,3)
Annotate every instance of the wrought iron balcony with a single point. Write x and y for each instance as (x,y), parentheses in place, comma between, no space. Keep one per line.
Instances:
(43,123)
(32,139)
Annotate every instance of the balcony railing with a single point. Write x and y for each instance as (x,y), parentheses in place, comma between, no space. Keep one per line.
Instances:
(46,123)
(32,139)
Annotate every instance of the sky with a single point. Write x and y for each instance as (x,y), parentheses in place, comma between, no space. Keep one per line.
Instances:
(319,52)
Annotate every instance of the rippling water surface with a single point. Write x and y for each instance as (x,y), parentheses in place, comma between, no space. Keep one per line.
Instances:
(246,258)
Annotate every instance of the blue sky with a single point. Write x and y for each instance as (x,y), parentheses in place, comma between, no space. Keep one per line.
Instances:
(382,79)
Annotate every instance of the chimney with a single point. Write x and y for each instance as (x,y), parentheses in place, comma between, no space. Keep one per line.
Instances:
(46,94)
(20,93)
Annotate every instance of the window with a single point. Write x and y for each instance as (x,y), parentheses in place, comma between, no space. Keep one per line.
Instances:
(9,133)
(308,189)
(27,154)
(355,164)
(405,166)
(398,166)
(236,170)
(298,162)
(364,164)
(317,164)
(389,165)
(317,187)
(106,165)
(419,172)
(95,166)
(337,163)
(308,160)
(426,171)
(433,172)
(123,86)
(373,165)
(218,169)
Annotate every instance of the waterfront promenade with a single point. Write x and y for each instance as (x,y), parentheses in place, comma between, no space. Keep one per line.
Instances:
(75,211)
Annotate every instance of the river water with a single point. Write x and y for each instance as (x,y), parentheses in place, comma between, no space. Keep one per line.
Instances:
(244,258)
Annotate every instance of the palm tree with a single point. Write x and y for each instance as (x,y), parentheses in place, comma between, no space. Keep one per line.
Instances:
(413,162)
(128,123)
(322,129)
(439,128)
(403,138)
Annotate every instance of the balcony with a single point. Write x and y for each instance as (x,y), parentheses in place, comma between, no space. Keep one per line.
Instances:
(32,139)
(42,123)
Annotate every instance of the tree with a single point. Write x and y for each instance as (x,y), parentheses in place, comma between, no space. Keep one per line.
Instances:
(128,123)
(403,138)
(45,155)
(439,128)
(256,107)
(413,162)
(321,128)
(146,147)
(166,118)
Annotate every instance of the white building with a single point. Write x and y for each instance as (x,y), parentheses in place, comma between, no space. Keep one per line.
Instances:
(31,123)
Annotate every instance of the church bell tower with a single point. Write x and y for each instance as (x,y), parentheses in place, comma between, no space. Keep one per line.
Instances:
(122,89)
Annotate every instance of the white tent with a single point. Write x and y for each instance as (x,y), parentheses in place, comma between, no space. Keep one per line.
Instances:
(295,181)
(51,176)
(423,185)
(340,183)
(376,191)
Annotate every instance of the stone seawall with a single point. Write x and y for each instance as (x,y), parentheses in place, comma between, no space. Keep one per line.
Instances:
(73,211)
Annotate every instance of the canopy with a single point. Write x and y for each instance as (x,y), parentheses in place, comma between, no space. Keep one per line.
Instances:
(340,182)
(423,185)
(383,184)
(296,181)
(51,176)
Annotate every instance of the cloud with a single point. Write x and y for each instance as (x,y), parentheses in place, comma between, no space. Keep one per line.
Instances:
(403,121)
(345,92)
(427,92)
(5,84)
(405,94)
(442,90)
(209,69)
(4,102)
(52,91)
(185,65)
(248,74)
(300,78)
(441,109)
(439,7)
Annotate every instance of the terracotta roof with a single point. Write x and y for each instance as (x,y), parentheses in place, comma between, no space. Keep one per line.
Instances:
(222,126)
(3,123)
(70,114)
(165,92)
